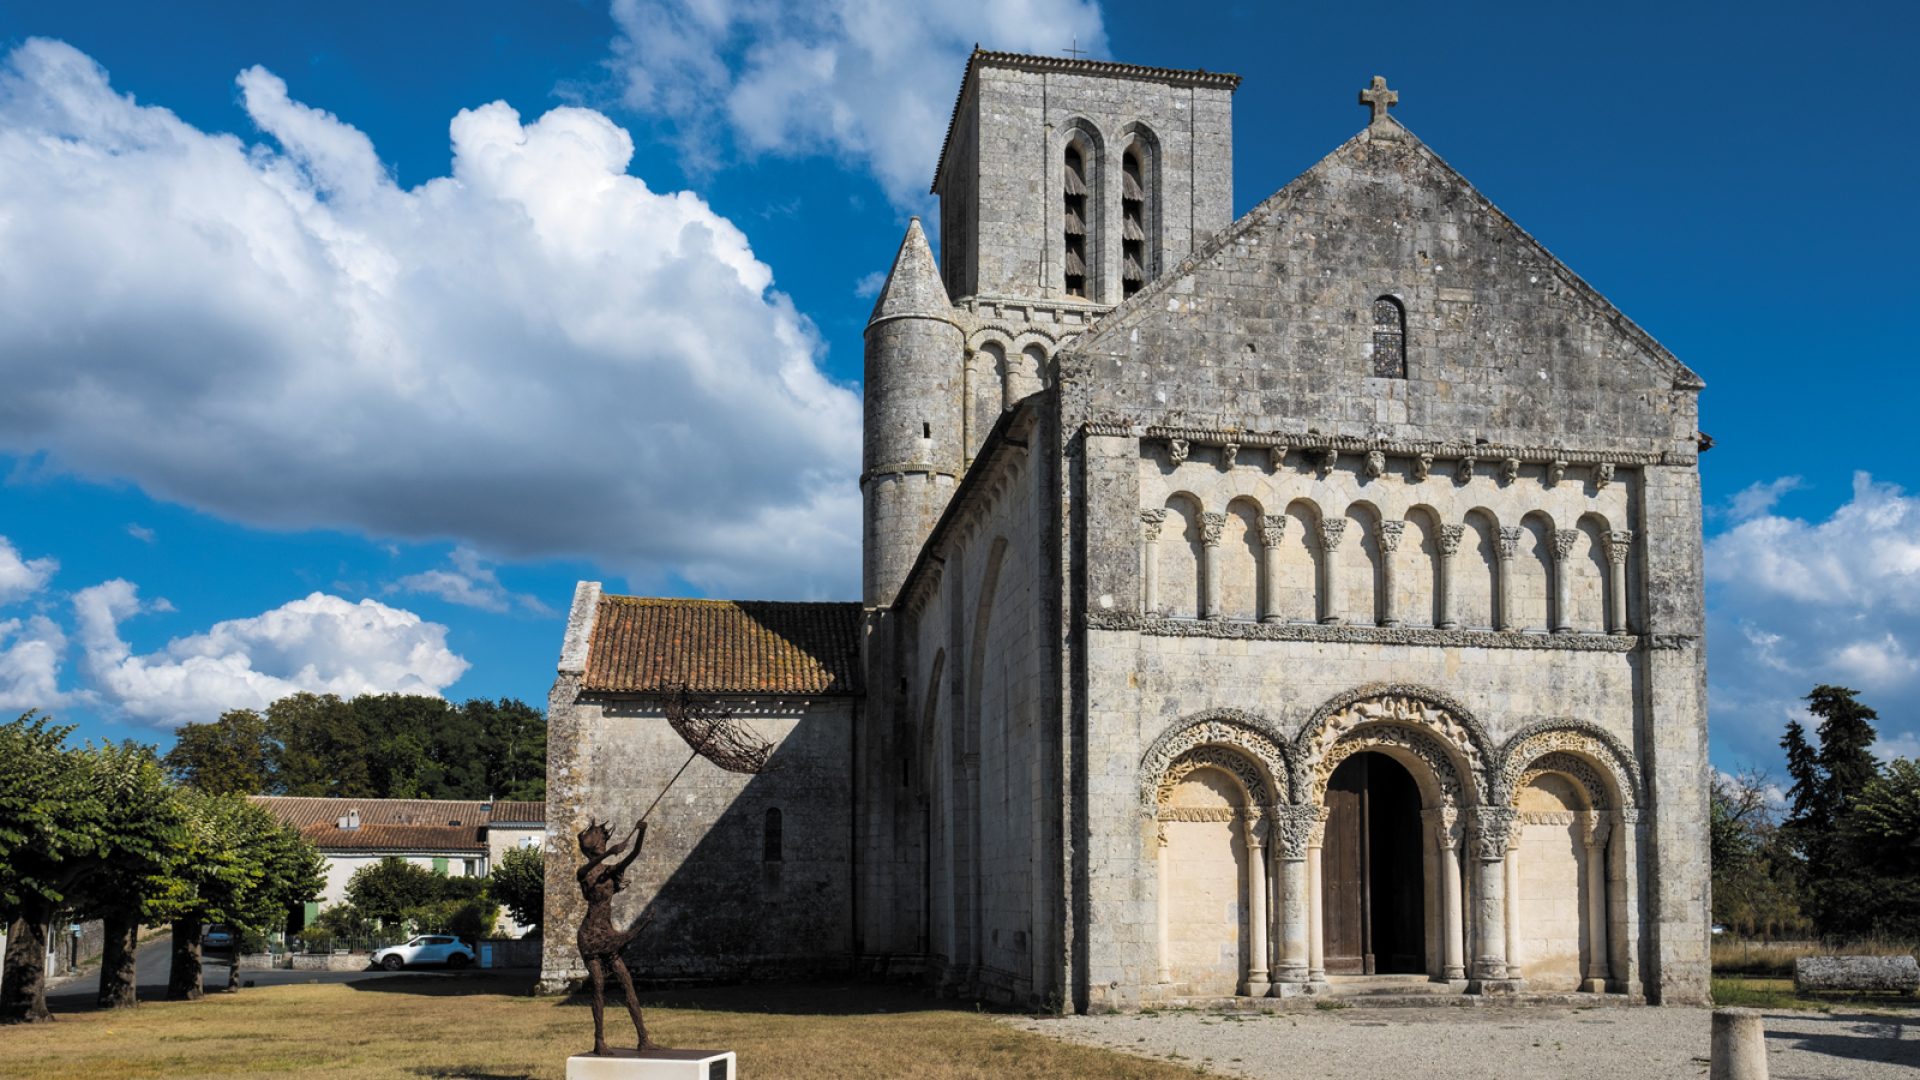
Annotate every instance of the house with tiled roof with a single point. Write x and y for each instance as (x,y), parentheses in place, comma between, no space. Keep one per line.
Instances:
(459,838)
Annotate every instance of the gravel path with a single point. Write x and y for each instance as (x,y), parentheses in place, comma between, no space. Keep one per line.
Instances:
(1534,1043)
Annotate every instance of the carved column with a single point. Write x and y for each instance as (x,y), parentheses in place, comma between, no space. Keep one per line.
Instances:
(1443,575)
(1563,543)
(1509,543)
(1273,530)
(1331,532)
(1316,918)
(1597,959)
(1492,828)
(1390,533)
(1256,984)
(1512,867)
(1292,829)
(1165,974)
(1445,824)
(1150,523)
(1212,527)
(1619,545)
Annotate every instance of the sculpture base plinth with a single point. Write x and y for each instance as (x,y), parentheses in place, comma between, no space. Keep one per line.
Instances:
(653,1065)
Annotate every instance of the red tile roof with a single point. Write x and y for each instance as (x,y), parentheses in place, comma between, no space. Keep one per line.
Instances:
(644,645)
(397,825)
(504,810)
(397,838)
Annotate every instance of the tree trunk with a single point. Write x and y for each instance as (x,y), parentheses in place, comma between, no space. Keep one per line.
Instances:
(23,979)
(183,982)
(117,974)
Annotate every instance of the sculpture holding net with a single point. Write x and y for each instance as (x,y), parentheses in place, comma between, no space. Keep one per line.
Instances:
(710,732)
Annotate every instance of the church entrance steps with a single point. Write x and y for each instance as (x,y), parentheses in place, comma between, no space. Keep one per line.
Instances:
(1390,992)
(1344,986)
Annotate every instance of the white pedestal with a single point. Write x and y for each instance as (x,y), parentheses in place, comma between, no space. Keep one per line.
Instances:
(653,1065)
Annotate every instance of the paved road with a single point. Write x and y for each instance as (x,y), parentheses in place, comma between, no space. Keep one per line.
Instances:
(154,963)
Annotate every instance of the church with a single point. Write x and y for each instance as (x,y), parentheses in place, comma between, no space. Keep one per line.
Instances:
(1254,607)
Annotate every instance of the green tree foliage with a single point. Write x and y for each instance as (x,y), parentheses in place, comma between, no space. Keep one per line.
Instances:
(145,833)
(239,866)
(53,834)
(399,746)
(390,888)
(230,755)
(519,882)
(1755,887)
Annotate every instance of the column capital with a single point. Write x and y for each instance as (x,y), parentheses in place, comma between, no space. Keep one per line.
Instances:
(1619,545)
(1594,827)
(1450,538)
(1151,522)
(1390,533)
(1213,525)
(1509,540)
(1332,531)
(1445,824)
(1292,829)
(1255,830)
(1273,529)
(1492,832)
(1563,543)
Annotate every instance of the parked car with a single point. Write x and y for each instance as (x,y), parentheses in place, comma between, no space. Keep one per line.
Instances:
(426,949)
(217,936)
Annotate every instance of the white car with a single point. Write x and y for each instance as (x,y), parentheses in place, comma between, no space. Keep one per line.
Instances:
(426,949)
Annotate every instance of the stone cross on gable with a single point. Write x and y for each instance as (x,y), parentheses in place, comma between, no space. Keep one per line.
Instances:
(1380,99)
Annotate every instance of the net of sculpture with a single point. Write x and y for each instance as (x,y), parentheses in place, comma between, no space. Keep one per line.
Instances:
(710,733)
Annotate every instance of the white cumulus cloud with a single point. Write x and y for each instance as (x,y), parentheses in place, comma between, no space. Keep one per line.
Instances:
(469,582)
(31,651)
(21,578)
(871,82)
(1794,603)
(537,355)
(321,643)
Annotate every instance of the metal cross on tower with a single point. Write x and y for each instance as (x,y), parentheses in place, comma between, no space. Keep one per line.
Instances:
(1379,98)
(1075,50)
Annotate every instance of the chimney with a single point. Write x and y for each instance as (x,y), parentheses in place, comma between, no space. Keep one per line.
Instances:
(352,820)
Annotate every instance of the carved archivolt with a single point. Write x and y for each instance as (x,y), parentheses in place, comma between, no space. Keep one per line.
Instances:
(1423,722)
(1234,740)
(1608,773)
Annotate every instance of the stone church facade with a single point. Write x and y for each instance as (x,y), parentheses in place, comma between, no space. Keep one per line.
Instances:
(1247,605)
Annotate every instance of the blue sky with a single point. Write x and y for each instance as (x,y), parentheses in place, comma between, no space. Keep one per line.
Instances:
(334,357)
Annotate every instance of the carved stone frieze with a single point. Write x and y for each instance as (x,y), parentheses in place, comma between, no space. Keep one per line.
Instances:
(1273,529)
(1448,741)
(1200,813)
(1213,525)
(1243,737)
(1354,634)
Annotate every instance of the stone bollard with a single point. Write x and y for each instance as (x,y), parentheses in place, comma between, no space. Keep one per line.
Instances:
(1739,1045)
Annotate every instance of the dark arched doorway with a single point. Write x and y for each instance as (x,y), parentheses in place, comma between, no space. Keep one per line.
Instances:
(1371,866)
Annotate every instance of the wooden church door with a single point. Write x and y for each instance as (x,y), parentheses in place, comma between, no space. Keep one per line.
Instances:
(1371,869)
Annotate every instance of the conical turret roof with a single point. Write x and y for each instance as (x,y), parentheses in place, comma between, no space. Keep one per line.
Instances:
(913,285)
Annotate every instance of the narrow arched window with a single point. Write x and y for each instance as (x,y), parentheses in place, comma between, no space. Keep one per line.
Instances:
(1133,222)
(1389,339)
(772,840)
(1076,223)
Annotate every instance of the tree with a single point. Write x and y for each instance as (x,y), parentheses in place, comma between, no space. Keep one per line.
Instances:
(145,832)
(319,747)
(1886,819)
(390,888)
(1846,744)
(238,866)
(1754,886)
(519,882)
(231,754)
(52,835)
(1840,880)
(514,746)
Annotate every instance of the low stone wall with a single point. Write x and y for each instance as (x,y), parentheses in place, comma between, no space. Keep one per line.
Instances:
(1876,974)
(329,962)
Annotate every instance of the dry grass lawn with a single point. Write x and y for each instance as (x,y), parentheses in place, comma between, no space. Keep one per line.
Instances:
(483,1026)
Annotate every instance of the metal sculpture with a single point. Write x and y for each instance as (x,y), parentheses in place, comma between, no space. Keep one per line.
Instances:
(709,732)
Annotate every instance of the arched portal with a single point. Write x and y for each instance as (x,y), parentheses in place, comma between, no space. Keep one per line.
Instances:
(1203,825)
(1372,869)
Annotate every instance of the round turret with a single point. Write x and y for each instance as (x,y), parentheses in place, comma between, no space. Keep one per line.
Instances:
(912,451)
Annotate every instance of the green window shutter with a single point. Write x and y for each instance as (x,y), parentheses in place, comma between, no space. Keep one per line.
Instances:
(312,912)
(440,866)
